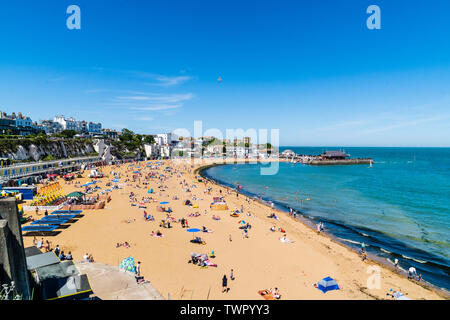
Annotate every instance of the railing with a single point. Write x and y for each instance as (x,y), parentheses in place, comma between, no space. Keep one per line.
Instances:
(51,166)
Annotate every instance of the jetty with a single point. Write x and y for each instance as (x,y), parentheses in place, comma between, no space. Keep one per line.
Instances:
(326,158)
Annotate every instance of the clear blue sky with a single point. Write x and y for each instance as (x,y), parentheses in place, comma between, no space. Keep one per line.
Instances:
(309,68)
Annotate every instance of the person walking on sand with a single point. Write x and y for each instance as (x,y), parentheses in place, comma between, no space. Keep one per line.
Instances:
(224,284)
(396,263)
(138,269)
(232,275)
(229,237)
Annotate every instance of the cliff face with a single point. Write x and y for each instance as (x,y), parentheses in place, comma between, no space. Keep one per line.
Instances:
(38,150)
(104,150)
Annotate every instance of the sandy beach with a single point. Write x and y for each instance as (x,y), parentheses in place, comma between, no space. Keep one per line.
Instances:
(259,262)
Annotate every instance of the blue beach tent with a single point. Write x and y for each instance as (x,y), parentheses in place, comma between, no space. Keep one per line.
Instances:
(327,284)
(150,191)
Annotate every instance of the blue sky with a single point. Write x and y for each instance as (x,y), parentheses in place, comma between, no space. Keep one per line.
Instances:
(309,68)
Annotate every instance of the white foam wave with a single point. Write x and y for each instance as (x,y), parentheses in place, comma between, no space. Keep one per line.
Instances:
(384,250)
(351,241)
(417,260)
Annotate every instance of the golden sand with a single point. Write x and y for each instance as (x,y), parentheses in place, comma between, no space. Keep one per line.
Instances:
(260,261)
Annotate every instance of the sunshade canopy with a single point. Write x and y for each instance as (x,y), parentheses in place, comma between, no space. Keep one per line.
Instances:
(75,194)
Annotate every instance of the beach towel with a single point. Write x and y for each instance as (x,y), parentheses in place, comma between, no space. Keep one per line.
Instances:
(266,294)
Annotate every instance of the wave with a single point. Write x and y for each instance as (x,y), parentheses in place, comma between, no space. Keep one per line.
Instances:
(386,251)
(416,260)
(352,241)
(363,234)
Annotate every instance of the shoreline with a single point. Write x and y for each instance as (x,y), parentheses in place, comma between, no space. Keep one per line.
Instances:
(372,257)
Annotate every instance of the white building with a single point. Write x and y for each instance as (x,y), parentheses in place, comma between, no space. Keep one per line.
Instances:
(82,126)
(166,138)
(152,150)
(166,151)
(50,126)
(67,124)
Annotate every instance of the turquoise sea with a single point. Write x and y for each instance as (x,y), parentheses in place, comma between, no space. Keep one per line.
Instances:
(399,207)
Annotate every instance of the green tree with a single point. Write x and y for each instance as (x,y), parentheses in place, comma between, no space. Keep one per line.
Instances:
(149,139)
(68,134)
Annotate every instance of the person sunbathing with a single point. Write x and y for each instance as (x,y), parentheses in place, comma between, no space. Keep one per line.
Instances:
(276,293)
(273,229)
(159,234)
(198,240)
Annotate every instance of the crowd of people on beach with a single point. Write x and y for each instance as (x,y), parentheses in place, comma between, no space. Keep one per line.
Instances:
(157,178)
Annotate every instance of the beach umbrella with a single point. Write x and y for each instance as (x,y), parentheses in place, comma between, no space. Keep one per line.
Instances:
(193,230)
(327,284)
(116,180)
(242,222)
(128,264)
(150,191)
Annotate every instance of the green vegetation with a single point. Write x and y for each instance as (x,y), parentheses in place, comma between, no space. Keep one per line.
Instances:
(49,158)
(149,139)
(130,144)
(67,134)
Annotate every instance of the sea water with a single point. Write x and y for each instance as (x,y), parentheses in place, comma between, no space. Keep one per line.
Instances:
(399,207)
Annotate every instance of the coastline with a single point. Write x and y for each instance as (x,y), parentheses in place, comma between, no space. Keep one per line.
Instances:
(381,261)
(260,262)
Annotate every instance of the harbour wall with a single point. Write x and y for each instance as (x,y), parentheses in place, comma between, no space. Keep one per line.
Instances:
(340,162)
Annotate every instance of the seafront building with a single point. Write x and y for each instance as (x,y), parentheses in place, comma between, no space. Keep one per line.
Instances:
(18,124)
(168,146)
(42,168)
